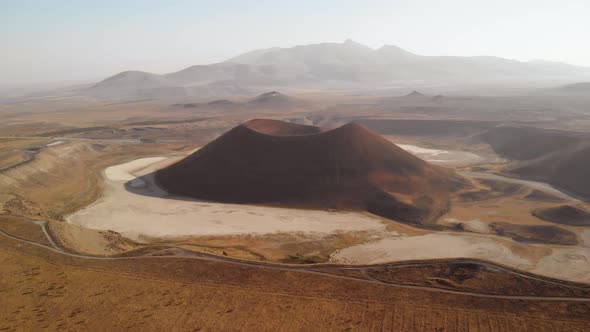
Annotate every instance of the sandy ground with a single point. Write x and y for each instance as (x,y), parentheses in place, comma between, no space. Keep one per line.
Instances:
(432,246)
(152,215)
(89,241)
(474,225)
(567,263)
(444,157)
(123,173)
(55,143)
(586,237)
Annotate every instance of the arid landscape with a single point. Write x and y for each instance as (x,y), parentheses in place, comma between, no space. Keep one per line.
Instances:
(216,167)
(83,200)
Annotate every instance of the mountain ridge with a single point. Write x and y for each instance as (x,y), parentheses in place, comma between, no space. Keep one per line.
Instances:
(325,64)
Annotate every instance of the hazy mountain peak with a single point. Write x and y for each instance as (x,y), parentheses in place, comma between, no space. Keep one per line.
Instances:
(415,94)
(134,78)
(395,51)
(252,55)
(351,43)
(130,74)
(271,94)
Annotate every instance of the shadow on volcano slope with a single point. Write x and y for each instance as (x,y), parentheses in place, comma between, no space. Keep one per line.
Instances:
(350,168)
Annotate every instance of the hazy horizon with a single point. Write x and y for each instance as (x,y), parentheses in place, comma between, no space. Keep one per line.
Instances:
(60,41)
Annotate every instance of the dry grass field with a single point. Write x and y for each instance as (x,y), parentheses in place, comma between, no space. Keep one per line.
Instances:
(42,289)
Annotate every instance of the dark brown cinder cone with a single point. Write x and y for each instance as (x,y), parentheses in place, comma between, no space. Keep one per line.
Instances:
(269,162)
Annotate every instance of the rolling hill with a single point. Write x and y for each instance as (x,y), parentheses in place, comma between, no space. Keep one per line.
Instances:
(269,101)
(557,157)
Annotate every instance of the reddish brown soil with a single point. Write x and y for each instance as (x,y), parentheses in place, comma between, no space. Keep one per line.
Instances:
(280,128)
(349,168)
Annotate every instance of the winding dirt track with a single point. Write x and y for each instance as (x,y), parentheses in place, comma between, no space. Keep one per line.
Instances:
(542,186)
(31,156)
(307,269)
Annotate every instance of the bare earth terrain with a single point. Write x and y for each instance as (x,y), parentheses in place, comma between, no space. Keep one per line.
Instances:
(89,241)
(138,216)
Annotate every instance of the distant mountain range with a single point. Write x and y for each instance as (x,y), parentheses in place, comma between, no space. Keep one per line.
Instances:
(347,64)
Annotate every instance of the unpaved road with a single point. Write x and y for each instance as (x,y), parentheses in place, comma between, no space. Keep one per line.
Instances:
(542,186)
(306,269)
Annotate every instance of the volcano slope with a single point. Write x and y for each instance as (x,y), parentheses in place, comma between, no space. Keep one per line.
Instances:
(560,158)
(270,162)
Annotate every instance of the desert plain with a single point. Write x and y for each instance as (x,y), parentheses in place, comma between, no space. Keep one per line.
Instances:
(84,218)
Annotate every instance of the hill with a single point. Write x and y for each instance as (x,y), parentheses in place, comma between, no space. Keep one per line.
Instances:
(277,163)
(276,101)
(564,214)
(566,169)
(560,158)
(268,101)
(128,83)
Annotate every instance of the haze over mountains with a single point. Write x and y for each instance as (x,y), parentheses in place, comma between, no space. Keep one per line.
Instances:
(347,64)
(268,101)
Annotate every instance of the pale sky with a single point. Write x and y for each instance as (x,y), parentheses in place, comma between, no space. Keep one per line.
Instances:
(58,40)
